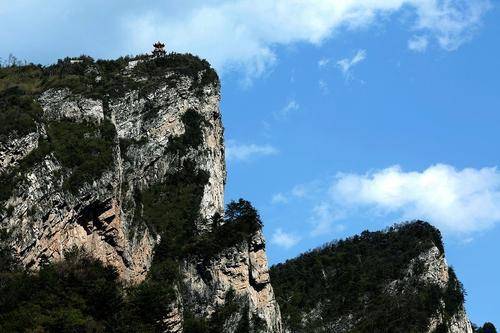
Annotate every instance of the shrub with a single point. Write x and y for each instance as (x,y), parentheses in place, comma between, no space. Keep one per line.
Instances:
(18,113)
(487,328)
(85,148)
(75,295)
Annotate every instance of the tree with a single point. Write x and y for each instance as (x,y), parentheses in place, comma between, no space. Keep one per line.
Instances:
(487,328)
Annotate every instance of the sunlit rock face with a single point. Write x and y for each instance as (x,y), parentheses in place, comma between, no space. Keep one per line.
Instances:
(54,206)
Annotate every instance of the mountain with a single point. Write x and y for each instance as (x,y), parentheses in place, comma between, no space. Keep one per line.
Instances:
(123,161)
(395,280)
(112,219)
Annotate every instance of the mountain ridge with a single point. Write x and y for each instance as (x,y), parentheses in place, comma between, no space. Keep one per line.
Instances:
(396,280)
(112,176)
(124,159)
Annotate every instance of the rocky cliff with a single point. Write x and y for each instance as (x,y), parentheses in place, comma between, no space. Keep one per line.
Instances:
(125,159)
(391,281)
(112,180)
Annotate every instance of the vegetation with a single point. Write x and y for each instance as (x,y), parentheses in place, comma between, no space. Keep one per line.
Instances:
(241,221)
(9,179)
(80,294)
(232,307)
(18,113)
(199,70)
(84,148)
(487,328)
(351,277)
(77,295)
(192,136)
(171,209)
(108,78)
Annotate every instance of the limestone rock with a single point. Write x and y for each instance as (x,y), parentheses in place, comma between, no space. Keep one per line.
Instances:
(46,219)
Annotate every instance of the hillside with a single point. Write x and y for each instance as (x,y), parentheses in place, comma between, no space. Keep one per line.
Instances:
(112,219)
(395,280)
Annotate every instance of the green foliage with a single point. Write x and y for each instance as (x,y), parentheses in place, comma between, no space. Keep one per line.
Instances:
(351,276)
(76,295)
(146,306)
(26,78)
(487,328)
(18,113)
(156,70)
(9,179)
(125,144)
(80,294)
(105,79)
(85,148)
(171,209)
(240,222)
(454,296)
(8,261)
(192,136)
(233,306)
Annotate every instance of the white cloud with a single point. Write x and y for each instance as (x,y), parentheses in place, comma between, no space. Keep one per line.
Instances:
(284,239)
(291,106)
(460,201)
(279,198)
(346,64)
(418,43)
(300,191)
(324,219)
(244,152)
(323,62)
(243,34)
(323,87)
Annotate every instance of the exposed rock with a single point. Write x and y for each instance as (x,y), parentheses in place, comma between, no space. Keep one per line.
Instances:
(436,271)
(242,269)
(60,104)
(395,280)
(15,149)
(46,219)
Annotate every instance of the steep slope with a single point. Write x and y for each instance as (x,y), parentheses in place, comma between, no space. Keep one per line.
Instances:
(390,281)
(125,159)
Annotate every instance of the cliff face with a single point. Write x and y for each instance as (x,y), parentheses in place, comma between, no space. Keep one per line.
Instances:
(125,160)
(392,281)
(114,164)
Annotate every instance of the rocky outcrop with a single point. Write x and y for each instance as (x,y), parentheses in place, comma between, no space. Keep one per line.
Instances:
(242,269)
(395,280)
(434,270)
(47,214)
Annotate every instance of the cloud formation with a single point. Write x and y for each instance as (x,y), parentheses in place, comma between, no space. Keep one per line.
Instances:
(459,201)
(325,219)
(289,107)
(244,152)
(323,62)
(284,239)
(279,198)
(345,65)
(323,87)
(418,43)
(243,34)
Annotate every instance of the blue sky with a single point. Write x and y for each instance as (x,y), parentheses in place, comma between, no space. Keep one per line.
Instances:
(340,116)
